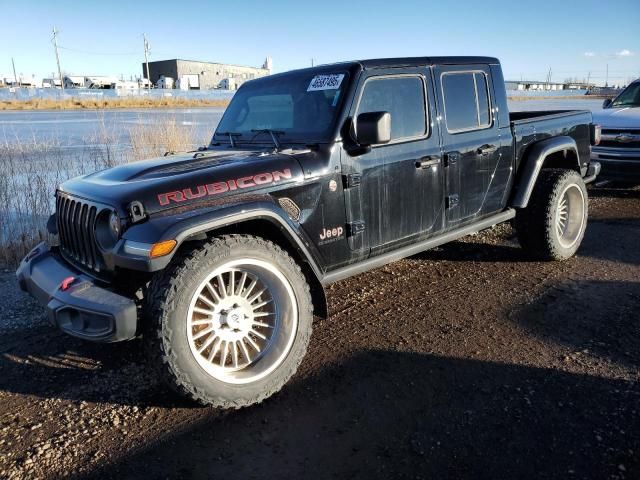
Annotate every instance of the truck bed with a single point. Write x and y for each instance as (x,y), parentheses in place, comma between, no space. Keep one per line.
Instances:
(529,127)
(528,116)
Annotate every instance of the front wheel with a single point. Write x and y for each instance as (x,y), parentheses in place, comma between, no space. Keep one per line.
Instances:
(230,322)
(553,224)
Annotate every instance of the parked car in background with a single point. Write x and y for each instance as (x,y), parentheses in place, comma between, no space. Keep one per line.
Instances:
(619,148)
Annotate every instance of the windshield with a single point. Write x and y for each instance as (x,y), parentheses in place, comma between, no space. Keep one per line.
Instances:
(297,108)
(630,97)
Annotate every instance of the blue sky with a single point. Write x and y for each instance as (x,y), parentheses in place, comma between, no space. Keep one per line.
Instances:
(572,38)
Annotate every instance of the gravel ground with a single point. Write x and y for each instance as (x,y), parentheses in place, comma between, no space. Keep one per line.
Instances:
(468,361)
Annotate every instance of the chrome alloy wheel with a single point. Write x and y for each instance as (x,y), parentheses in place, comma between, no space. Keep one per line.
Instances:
(242,321)
(570,215)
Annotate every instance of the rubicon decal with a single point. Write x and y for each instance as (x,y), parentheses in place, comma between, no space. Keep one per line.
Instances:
(217,188)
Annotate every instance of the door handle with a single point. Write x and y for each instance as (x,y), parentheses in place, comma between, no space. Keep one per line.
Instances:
(486,149)
(428,161)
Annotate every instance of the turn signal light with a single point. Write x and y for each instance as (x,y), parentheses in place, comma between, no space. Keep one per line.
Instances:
(161,249)
(596,134)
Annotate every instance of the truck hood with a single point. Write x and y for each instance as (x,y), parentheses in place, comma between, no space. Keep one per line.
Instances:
(181,180)
(628,117)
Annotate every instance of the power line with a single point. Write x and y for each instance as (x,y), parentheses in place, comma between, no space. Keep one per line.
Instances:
(85,52)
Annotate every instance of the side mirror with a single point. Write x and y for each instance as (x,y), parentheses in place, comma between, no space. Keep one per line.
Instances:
(607,103)
(373,128)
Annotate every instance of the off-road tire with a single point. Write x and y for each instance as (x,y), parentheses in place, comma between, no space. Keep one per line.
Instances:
(165,313)
(536,224)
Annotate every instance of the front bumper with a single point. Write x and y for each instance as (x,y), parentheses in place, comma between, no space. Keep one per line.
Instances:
(84,309)
(592,172)
(617,163)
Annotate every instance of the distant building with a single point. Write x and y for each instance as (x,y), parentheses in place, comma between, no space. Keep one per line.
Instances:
(73,81)
(28,82)
(51,83)
(190,75)
(100,82)
(164,82)
(533,85)
(143,82)
(523,85)
(125,85)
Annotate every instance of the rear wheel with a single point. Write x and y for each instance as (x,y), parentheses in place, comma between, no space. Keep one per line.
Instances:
(230,322)
(552,226)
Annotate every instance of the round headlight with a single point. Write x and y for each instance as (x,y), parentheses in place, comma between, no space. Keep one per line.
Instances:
(114,225)
(108,229)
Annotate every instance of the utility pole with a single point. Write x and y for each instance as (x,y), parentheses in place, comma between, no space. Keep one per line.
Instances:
(55,47)
(606,81)
(312,61)
(146,58)
(15,77)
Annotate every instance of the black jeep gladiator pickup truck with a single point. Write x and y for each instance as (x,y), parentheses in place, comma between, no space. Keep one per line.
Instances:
(218,257)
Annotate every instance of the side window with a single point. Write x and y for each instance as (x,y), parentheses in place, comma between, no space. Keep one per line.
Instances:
(466,101)
(403,98)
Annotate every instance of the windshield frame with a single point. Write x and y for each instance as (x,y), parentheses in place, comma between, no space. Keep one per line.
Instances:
(258,139)
(633,85)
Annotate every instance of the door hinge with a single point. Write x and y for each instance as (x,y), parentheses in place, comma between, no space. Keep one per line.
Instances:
(453,200)
(355,228)
(352,180)
(451,158)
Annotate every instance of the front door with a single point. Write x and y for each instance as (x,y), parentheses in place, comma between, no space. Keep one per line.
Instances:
(470,137)
(395,191)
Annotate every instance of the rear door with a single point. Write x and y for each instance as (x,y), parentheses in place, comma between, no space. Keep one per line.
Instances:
(470,136)
(394,192)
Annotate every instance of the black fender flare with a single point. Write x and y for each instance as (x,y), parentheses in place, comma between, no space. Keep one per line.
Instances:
(533,162)
(184,228)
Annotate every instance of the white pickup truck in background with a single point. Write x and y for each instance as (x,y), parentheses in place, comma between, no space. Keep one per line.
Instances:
(619,148)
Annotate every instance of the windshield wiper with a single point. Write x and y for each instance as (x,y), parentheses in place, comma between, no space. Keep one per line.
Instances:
(274,135)
(231,135)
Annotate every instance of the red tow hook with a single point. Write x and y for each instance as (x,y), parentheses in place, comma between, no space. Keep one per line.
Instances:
(66,283)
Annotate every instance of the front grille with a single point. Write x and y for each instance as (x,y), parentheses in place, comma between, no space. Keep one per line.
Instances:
(76,228)
(620,138)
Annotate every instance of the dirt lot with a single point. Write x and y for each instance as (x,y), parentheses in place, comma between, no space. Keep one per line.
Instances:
(468,361)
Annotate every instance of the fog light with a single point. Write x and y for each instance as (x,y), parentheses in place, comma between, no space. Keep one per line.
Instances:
(161,249)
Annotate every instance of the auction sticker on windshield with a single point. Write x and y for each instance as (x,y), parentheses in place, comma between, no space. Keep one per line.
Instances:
(331,81)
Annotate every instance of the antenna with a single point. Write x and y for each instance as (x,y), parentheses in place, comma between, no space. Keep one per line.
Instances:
(146,58)
(55,47)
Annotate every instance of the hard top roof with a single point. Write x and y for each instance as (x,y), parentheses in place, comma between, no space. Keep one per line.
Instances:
(418,61)
(385,63)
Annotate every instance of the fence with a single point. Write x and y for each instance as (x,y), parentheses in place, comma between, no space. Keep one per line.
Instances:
(156,93)
(545,93)
(79,93)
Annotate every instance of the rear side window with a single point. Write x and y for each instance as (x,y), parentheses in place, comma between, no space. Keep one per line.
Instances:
(466,101)
(403,98)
